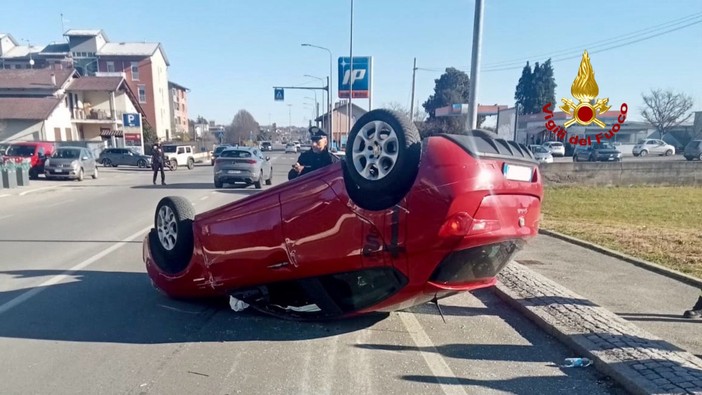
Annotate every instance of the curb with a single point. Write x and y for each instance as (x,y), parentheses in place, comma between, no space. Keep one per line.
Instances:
(637,360)
(653,267)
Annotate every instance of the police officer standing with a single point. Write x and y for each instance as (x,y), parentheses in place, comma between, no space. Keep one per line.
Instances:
(316,158)
(157,161)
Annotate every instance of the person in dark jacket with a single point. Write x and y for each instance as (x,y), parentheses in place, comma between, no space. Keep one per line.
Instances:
(316,158)
(696,311)
(158,158)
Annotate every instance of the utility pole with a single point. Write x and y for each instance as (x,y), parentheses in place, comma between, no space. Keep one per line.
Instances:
(475,65)
(414,73)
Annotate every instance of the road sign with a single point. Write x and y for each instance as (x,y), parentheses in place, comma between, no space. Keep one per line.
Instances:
(359,79)
(131,120)
(279,94)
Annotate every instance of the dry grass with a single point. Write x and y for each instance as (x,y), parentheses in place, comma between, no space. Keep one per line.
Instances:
(658,224)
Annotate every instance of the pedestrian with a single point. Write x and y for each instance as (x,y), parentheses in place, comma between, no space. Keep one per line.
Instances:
(315,158)
(158,158)
(696,311)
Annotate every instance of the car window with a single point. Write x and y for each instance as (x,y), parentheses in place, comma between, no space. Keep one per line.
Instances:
(188,150)
(21,150)
(169,149)
(236,154)
(603,146)
(67,153)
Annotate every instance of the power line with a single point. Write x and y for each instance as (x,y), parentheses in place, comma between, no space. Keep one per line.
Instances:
(557,60)
(694,17)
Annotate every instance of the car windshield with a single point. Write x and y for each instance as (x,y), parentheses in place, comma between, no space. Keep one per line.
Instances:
(540,150)
(21,150)
(169,149)
(603,146)
(219,149)
(66,153)
(236,154)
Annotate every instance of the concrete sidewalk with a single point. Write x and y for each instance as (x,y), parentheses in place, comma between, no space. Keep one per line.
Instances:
(627,318)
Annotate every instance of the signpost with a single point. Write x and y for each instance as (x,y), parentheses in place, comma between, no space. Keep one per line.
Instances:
(358,79)
(279,94)
(133,131)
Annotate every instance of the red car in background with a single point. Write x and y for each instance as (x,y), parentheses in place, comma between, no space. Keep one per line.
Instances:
(36,152)
(398,222)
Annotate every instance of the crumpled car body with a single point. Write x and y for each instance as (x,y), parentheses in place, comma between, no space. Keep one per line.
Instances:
(327,245)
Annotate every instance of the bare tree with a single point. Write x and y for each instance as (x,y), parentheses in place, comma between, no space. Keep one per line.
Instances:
(243,127)
(666,110)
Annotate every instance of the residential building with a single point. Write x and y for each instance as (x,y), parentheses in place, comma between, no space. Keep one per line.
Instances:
(60,105)
(144,66)
(179,108)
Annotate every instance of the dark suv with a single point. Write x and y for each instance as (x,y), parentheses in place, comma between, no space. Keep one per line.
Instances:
(599,152)
(123,156)
(693,150)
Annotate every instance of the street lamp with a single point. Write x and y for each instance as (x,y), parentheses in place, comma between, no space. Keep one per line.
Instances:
(329,86)
(315,92)
(316,104)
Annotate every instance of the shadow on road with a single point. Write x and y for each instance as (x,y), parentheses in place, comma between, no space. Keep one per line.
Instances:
(123,307)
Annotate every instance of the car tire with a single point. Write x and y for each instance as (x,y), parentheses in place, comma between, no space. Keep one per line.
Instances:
(700,157)
(174,164)
(106,162)
(81,175)
(218,184)
(95,173)
(396,149)
(191,163)
(141,163)
(172,239)
(669,152)
(643,153)
(257,184)
(269,181)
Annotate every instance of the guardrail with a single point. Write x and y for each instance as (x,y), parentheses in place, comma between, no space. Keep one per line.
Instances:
(622,173)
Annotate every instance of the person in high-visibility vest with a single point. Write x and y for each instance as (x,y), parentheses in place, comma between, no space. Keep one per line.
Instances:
(696,311)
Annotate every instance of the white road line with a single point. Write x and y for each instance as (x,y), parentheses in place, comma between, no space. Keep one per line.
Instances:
(36,190)
(432,357)
(57,203)
(204,197)
(5,195)
(6,216)
(57,279)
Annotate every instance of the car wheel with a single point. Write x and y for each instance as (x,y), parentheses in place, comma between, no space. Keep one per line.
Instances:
(591,159)
(575,158)
(669,152)
(81,175)
(700,157)
(95,173)
(141,163)
(172,238)
(106,162)
(257,184)
(191,164)
(218,184)
(689,158)
(269,181)
(174,165)
(643,153)
(382,159)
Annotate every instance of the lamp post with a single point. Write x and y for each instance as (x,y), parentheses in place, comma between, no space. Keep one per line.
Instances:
(321,79)
(329,87)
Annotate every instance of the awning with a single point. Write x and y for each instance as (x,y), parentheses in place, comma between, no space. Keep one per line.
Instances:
(111,133)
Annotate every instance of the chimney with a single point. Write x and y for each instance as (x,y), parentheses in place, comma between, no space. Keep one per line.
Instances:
(53,79)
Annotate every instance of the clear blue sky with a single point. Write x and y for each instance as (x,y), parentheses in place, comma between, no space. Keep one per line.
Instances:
(231,53)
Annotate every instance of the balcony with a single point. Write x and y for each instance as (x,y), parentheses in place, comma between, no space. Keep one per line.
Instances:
(95,116)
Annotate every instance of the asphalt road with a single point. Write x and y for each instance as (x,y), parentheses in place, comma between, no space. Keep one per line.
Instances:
(78,316)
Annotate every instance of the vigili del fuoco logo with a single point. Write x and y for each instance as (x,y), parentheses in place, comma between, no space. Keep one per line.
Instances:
(586,110)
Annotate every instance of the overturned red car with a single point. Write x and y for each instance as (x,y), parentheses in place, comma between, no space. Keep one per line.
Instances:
(398,222)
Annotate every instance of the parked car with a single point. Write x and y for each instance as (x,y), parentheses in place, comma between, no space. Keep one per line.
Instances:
(35,152)
(243,165)
(179,155)
(123,157)
(290,148)
(71,163)
(555,147)
(387,228)
(693,150)
(653,147)
(266,146)
(218,150)
(598,152)
(541,154)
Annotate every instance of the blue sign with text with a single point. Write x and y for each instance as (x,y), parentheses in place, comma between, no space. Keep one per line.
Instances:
(358,79)
(131,120)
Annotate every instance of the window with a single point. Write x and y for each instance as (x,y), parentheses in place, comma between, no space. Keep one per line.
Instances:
(110,67)
(142,93)
(135,71)
(188,150)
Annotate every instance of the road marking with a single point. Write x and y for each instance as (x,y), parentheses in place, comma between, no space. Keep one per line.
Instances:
(5,195)
(36,190)
(6,216)
(432,357)
(58,203)
(57,279)
(204,197)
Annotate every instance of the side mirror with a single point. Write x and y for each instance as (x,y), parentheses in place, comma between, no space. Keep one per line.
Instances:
(84,158)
